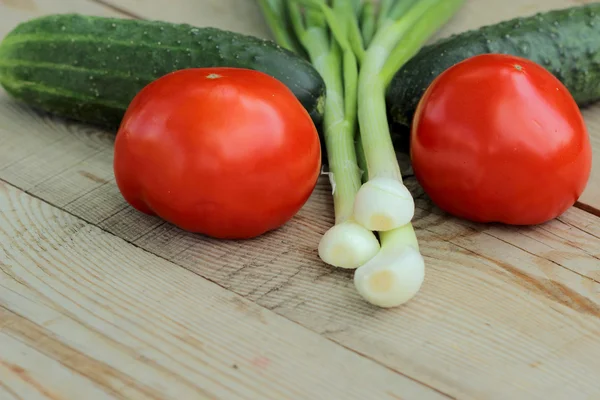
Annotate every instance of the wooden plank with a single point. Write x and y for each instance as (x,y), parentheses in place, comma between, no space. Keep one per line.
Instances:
(26,373)
(476,13)
(7,394)
(16,11)
(515,311)
(85,314)
(67,186)
(235,15)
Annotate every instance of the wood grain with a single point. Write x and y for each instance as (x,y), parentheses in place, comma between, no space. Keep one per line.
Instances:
(476,13)
(493,295)
(85,314)
(504,312)
(24,370)
(235,15)
(15,11)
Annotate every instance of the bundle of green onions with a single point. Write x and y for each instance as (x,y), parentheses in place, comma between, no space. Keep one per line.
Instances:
(357,47)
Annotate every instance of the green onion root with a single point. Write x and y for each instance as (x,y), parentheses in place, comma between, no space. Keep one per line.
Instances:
(395,275)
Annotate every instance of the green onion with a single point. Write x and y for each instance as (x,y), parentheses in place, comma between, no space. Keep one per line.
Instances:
(399,8)
(357,61)
(347,244)
(368,22)
(276,16)
(383,202)
(436,16)
(385,7)
(396,273)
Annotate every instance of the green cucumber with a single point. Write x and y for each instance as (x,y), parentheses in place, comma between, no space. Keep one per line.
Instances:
(566,42)
(89,68)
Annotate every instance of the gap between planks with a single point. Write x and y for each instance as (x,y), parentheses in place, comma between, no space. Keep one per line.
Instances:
(587,208)
(117,9)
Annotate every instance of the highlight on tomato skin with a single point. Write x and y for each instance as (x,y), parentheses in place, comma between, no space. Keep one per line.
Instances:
(226,152)
(498,138)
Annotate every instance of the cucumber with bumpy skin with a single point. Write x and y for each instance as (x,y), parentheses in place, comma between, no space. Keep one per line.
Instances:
(89,68)
(565,41)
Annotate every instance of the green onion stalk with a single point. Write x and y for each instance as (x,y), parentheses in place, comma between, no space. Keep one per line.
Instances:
(383,203)
(358,47)
(347,244)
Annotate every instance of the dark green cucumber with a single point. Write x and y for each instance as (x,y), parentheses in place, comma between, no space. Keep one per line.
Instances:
(89,68)
(566,42)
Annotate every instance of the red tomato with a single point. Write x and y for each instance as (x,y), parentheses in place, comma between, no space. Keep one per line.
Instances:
(498,138)
(229,153)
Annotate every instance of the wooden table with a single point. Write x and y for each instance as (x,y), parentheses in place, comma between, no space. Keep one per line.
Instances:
(98,301)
